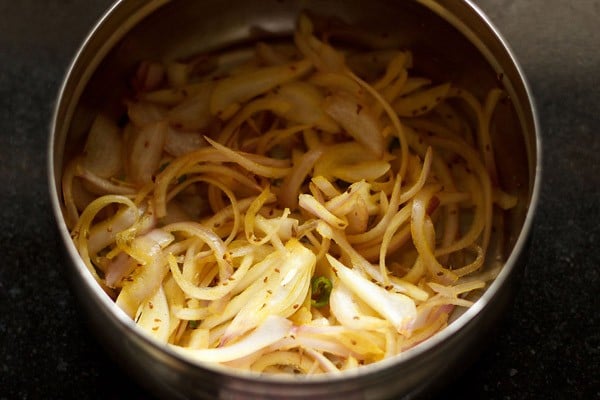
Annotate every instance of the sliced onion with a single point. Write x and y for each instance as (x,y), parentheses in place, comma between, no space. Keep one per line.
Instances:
(146,279)
(357,259)
(397,308)
(273,329)
(340,82)
(101,186)
(282,227)
(280,359)
(395,66)
(105,232)
(249,164)
(178,143)
(358,218)
(243,87)
(154,316)
(340,155)
(209,237)
(357,119)
(145,152)
(118,268)
(292,182)
(338,340)
(421,102)
(325,186)
(142,113)
(312,205)
(208,293)
(504,200)
(306,106)
(322,55)
(455,290)
(269,55)
(281,293)
(193,113)
(367,170)
(422,231)
(378,230)
(149,76)
(103,148)
(346,202)
(345,308)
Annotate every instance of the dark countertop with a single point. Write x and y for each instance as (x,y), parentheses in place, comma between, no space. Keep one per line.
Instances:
(548,345)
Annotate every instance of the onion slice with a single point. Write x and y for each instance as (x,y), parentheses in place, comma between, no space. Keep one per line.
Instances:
(102,153)
(229,92)
(145,151)
(347,311)
(357,119)
(398,309)
(273,329)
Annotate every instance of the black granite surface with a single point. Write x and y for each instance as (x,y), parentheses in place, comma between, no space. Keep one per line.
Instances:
(548,346)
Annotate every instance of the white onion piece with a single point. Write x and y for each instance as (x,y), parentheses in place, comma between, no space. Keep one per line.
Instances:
(339,156)
(290,187)
(146,279)
(212,292)
(274,55)
(358,218)
(104,233)
(236,89)
(413,84)
(428,312)
(345,202)
(282,227)
(347,311)
(398,309)
(258,167)
(100,186)
(367,170)
(332,80)
(145,151)
(325,186)
(419,103)
(281,292)
(306,106)
(103,148)
(319,341)
(154,316)
(273,329)
(148,76)
(178,143)
(142,113)
(357,259)
(118,268)
(322,55)
(312,205)
(208,236)
(193,113)
(336,340)
(357,119)
(279,359)
(160,237)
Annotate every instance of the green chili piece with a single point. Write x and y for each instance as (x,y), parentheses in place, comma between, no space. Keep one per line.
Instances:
(321,289)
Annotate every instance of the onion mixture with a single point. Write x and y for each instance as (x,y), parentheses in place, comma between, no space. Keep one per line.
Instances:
(290,207)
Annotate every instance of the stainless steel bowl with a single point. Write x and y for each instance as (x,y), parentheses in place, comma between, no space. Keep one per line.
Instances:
(461,45)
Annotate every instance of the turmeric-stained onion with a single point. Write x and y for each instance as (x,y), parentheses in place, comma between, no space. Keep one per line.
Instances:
(357,119)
